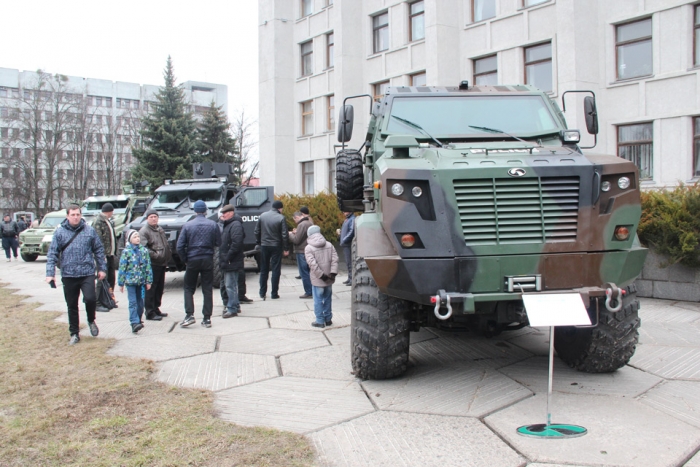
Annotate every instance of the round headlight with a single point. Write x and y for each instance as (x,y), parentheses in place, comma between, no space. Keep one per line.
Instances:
(623,183)
(416,191)
(397,189)
(605,186)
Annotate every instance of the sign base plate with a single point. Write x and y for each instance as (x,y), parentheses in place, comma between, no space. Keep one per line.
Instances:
(553,431)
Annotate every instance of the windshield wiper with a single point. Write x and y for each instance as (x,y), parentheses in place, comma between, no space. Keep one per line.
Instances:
(493,130)
(419,128)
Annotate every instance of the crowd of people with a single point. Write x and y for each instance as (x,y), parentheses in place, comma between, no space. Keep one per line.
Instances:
(82,252)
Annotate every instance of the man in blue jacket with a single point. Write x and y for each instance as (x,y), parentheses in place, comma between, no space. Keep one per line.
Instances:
(80,249)
(196,246)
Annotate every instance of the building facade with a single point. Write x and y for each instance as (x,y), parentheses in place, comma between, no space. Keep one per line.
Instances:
(66,137)
(640,57)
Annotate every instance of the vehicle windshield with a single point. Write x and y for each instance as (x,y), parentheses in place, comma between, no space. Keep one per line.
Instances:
(172,199)
(51,221)
(119,206)
(455,117)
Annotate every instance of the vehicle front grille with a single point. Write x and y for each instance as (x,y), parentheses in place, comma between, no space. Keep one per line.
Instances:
(523,210)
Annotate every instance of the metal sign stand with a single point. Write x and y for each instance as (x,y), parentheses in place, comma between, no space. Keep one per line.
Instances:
(550,311)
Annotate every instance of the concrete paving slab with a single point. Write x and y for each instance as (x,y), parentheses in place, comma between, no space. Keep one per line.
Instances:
(536,341)
(121,329)
(670,334)
(465,348)
(223,327)
(694,462)
(331,362)
(338,336)
(423,335)
(273,342)
(621,432)
(463,391)
(302,320)
(533,373)
(659,311)
(270,308)
(294,404)
(163,347)
(668,362)
(217,371)
(680,399)
(390,439)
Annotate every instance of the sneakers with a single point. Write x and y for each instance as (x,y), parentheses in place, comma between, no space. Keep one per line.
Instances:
(154,317)
(318,325)
(74,338)
(189,319)
(245,299)
(136,327)
(348,282)
(206,322)
(94,330)
(306,295)
(329,323)
(227,314)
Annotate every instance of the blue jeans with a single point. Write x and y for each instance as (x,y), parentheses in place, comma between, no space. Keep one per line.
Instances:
(135,294)
(347,252)
(323,298)
(270,260)
(304,272)
(231,280)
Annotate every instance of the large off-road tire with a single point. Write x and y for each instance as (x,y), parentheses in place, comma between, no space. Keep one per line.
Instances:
(380,328)
(606,347)
(29,257)
(217,269)
(349,178)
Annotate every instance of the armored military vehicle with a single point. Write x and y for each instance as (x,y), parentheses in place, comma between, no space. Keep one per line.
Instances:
(214,184)
(35,242)
(473,196)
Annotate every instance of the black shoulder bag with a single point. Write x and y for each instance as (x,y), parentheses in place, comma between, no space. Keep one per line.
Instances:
(61,250)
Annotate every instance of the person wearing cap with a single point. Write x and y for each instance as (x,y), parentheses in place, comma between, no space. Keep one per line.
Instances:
(10,232)
(154,239)
(231,257)
(196,246)
(135,272)
(272,239)
(105,230)
(323,267)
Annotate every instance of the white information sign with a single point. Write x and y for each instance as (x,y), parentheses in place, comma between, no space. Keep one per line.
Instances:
(566,309)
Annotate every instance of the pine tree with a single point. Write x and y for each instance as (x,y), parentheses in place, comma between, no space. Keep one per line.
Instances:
(215,141)
(168,136)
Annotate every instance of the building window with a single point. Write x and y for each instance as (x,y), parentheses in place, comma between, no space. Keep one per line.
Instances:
(3,92)
(307,58)
(331,175)
(486,71)
(416,20)
(538,66)
(483,9)
(418,79)
(633,49)
(379,89)
(307,118)
(307,177)
(635,143)
(527,3)
(330,103)
(307,7)
(696,32)
(330,45)
(696,147)
(380,28)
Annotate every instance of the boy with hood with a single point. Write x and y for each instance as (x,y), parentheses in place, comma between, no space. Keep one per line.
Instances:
(323,266)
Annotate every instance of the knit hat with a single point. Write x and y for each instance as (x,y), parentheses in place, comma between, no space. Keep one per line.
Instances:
(151,212)
(227,208)
(277,204)
(304,210)
(200,206)
(131,233)
(107,207)
(314,229)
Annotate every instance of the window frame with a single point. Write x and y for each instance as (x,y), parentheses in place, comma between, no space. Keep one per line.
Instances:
(630,42)
(307,113)
(540,2)
(304,175)
(636,143)
(331,175)
(537,62)
(696,31)
(330,49)
(330,109)
(377,87)
(476,74)
(303,55)
(411,16)
(414,75)
(474,20)
(696,151)
(310,4)
(376,29)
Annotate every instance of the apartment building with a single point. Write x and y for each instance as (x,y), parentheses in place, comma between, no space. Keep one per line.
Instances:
(640,57)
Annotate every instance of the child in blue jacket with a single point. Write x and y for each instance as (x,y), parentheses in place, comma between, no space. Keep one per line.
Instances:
(135,272)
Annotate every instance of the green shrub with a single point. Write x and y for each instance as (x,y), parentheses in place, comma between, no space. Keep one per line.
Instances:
(671,223)
(323,209)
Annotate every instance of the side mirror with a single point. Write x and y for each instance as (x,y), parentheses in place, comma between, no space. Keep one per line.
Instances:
(345,121)
(591,114)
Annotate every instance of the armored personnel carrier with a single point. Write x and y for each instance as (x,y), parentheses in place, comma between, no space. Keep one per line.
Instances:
(473,196)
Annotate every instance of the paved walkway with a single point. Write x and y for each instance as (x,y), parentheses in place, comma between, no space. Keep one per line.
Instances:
(459,404)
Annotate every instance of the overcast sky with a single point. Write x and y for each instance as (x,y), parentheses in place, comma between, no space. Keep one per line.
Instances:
(128,40)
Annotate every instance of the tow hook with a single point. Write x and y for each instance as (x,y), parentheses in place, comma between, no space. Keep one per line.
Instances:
(440,299)
(613,294)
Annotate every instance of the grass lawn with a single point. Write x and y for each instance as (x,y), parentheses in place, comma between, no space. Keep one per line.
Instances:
(75,405)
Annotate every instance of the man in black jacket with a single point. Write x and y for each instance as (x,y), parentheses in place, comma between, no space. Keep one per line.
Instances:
(272,237)
(10,231)
(231,257)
